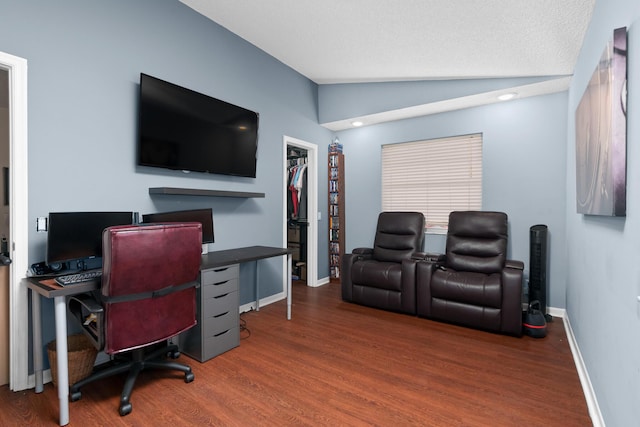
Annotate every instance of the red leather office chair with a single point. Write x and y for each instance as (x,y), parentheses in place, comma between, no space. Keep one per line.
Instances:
(147,296)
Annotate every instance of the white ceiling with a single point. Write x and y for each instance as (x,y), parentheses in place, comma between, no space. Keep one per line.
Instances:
(347,41)
(356,41)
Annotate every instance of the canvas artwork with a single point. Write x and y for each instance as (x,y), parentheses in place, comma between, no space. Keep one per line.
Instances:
(601,134)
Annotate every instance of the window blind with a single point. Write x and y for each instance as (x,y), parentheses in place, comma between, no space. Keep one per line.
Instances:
(434,177)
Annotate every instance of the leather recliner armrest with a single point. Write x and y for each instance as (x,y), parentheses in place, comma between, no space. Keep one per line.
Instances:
(360,254)
(510,263)
(424,272)
(512,297)
(429,257)
(437,258)
(362,251)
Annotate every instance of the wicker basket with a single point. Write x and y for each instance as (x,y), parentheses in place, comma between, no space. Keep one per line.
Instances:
(82,356)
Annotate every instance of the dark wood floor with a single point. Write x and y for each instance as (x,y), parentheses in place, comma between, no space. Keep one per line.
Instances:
(341,364)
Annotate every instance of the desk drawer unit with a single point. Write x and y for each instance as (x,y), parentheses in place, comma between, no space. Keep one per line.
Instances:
(217,304)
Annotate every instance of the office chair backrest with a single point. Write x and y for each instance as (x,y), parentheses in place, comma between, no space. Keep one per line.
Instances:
(477,241)
(148,279)
(398,236)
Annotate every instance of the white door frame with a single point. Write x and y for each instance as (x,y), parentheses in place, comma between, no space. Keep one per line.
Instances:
(18,222)
(312,204)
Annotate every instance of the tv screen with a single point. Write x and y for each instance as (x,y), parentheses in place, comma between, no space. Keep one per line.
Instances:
(203,216)
(182,129)
(78,235)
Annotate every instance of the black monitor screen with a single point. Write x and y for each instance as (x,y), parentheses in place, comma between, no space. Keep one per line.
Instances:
(203,216)
(78,235)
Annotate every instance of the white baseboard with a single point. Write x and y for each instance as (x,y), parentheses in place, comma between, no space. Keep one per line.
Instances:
(275,298)
(557,312)
(323,281)
(263,302)
(587,388)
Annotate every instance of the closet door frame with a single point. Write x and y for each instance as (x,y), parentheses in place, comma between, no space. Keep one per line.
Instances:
(312,205)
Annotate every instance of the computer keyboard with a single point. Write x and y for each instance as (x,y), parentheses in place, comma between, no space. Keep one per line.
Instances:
(85,276)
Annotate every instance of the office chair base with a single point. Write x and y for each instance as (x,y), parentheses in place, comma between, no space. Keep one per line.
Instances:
(134,366)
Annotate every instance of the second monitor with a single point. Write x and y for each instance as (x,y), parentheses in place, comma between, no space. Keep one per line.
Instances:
(203,216)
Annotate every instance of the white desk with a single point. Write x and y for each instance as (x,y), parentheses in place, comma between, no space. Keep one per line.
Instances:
(48,288)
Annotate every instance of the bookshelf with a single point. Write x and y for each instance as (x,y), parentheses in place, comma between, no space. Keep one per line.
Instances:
(336,209)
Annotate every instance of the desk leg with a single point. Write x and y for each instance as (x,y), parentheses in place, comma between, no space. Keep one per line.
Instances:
(63,367)
(255,279)
(36,320)
(289,286)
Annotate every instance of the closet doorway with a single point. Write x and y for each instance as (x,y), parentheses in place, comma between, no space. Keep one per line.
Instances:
(300,208)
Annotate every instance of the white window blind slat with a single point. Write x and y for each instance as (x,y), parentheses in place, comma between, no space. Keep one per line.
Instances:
(434,177)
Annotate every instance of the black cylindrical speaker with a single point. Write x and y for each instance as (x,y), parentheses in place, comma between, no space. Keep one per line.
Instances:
(538,265)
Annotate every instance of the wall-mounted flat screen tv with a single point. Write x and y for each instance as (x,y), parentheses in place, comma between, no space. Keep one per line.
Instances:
(185,130)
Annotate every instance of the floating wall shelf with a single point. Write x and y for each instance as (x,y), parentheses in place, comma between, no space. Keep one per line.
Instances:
(172,191)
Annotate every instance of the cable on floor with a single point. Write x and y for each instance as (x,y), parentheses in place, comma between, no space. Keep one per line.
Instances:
(243,328)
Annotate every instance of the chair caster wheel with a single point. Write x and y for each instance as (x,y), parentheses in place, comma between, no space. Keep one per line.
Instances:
(189,377)
(75,396)
(125,409)
(174,354)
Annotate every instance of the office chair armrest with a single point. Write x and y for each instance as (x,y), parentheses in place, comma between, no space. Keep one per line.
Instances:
(90,316)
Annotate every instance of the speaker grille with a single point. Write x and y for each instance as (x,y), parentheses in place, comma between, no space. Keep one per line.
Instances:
(538,265)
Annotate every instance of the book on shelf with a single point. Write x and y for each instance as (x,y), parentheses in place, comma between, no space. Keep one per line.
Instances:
(334,222)
(335,147)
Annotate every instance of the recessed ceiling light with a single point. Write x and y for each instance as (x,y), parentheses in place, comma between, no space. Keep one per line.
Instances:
(507,96)
(357,123)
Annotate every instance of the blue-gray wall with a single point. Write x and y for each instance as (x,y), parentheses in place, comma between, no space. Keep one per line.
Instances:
(84,62)
(603,268)
(524,158)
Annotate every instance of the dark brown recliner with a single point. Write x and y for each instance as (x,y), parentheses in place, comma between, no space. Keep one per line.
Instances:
(385,276)
(473,284)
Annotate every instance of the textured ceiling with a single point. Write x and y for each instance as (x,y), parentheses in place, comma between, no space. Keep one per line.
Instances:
(347,41)
(353,41)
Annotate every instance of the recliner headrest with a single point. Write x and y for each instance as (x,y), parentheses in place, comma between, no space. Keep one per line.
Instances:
(477,241)
(398,236)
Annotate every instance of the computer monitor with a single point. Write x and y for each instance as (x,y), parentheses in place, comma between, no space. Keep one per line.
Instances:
(77,236)
(203,216)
